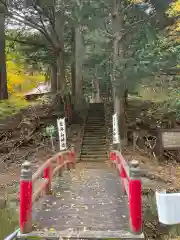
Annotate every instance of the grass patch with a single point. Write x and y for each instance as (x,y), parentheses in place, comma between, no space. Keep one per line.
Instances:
(8,222)
(12,106)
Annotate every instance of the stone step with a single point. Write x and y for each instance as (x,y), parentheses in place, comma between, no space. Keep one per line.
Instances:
(94,145)
(101,123)
(94,148)
(93,159)
(95,122)
(95,126)
(84,152)
(89,142)
(98,113)
(92,142)
(96,153)
(99,128)
(93,156)
(93,151)
(89,123)
(94,138)
(96,109)
(95,134)
(96,116)
(100,110)
(96,119)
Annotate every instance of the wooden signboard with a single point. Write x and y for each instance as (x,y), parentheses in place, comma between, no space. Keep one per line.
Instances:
(168,139)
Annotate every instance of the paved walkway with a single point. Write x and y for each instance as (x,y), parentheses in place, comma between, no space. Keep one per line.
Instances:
(88,201)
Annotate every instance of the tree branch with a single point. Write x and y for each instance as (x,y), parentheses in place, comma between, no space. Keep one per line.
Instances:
(25,42)
(40,13)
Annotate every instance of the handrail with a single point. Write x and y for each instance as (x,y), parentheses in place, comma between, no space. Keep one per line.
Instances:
(40,170)
(131,184)
(63,160)
(12,235)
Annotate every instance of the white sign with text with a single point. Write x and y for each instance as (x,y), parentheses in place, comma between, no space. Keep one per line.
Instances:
(62,133)
(115,129)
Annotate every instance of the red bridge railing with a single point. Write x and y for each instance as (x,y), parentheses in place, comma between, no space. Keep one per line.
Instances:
(132,186)
(41,181)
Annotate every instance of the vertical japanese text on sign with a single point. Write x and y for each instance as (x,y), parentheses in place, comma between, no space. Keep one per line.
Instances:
(62,133)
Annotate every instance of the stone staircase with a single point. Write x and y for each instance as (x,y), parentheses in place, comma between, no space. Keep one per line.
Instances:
(94,141)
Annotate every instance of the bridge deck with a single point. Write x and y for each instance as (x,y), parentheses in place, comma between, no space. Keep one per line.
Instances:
(87,200)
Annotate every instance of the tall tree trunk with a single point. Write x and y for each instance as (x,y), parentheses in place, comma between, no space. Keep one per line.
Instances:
(78,69)
(95,91)
(118,85)
(59,26)
(53,78)
(3,74)
(73,70)
(61,72)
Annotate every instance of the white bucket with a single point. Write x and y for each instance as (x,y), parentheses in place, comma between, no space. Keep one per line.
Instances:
(168,207)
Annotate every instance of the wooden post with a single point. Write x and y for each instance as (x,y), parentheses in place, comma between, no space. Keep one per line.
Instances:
(68,166)
(26,198)
(59,161)
(112,155)
(72,156)
(123,175)
(48,175)
(135,199)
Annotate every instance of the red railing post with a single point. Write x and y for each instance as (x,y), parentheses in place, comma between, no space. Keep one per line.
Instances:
(113,157)
(135,198)
(123,175)
(48,175)
(26,198)
(72,156)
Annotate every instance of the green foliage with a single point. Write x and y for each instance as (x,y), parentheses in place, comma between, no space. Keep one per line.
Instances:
(9,221)
(145,49)
(12,106)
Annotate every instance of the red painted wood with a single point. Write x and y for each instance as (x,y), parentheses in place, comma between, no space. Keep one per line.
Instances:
(25,203)
(48,175)
(135,205)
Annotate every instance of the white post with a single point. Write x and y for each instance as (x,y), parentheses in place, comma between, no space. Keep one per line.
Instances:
(62,133)
(116,139)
